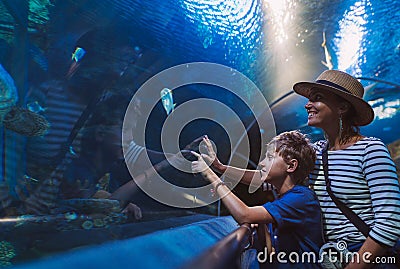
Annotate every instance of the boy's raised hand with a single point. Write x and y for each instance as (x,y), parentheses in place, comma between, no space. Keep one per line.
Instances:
(207,151)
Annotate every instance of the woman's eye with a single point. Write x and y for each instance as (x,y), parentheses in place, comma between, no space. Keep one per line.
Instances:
(316,97)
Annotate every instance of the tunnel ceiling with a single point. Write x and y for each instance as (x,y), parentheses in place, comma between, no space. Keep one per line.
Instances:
(275,43)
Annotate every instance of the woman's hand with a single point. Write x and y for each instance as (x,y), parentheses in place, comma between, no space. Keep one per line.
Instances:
(133,211)
(200,166)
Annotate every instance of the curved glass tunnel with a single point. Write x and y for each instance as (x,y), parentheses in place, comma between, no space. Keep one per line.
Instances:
(71,69)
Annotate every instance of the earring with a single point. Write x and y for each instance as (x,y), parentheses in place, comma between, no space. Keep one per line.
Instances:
(340,127)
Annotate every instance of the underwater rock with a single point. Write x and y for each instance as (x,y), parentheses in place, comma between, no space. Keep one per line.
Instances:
(91,206)
(15,118)
(104,182)
(43,200)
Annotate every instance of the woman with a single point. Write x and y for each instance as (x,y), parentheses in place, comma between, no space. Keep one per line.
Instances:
(361,172)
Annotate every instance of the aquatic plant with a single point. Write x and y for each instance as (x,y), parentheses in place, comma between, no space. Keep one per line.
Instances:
(87,225)
(38,11)
(7,252)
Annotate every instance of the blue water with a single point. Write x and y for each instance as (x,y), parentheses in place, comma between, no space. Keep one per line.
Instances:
(273,43)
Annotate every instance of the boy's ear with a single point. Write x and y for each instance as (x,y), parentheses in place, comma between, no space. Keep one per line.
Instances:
(292,165)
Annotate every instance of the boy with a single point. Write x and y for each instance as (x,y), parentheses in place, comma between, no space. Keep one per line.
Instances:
(295,215)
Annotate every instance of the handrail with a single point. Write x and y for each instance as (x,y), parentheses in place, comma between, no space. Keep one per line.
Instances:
(225,253)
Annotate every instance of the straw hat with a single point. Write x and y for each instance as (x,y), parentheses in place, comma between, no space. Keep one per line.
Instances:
(345,86)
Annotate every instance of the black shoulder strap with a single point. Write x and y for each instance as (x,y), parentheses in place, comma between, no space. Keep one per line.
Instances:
(65,147)
(355,219)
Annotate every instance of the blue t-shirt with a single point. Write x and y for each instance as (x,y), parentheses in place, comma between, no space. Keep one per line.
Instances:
(297,228)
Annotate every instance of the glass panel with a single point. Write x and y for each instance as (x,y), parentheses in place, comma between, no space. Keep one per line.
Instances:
(88,89)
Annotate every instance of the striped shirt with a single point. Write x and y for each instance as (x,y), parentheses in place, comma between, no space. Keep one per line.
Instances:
(62,114)
(363,176)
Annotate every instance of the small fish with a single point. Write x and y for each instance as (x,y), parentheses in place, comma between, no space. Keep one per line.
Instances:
(76,58)
(167,100)
(72,151)
(70,216)
(78,54)
(370,87)
(369,90)
(397,49)
(35,107)
(328,58)
(29,178)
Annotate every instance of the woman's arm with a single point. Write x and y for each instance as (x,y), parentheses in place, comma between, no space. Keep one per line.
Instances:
(126,192)
(367,254)
(380,174)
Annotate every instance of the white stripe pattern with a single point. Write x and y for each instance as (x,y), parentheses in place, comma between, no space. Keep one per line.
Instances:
(132,153)
(62,114)
(363,176)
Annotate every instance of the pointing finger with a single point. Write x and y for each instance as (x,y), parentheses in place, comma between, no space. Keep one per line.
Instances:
(198,156)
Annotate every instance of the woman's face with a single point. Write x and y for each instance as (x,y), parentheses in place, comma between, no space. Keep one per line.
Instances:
(322,108)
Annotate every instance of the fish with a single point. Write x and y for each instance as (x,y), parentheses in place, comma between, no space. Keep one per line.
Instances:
(78,54)
(328,58)
(369,90)
(35,107)
(167,100)
(76,58)
(29,178)
(72,151)
(370,87)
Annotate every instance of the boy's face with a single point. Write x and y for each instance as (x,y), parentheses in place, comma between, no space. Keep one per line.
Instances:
(273,167)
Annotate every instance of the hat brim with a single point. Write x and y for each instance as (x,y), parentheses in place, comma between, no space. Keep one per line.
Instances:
(365,113)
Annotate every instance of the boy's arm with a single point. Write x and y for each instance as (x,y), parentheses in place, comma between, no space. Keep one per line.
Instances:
(239,210)
(245,176)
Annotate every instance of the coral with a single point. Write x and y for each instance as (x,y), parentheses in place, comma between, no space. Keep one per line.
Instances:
(7,252)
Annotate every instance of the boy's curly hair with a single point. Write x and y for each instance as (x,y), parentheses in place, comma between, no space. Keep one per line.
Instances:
(295,145)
